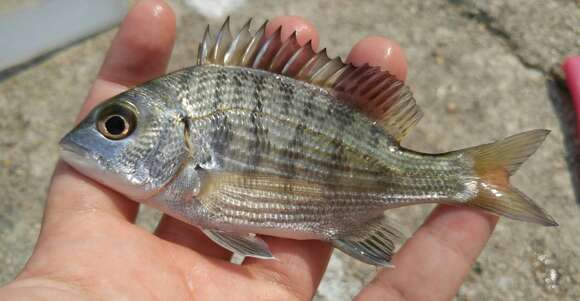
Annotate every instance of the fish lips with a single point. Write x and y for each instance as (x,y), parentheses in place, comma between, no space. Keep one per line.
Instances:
(74,149)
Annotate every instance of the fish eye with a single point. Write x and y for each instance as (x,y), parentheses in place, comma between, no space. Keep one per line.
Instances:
(117,121)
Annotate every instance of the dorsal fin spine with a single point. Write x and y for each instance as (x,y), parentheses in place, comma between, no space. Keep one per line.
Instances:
(234,54)
(332,80)
(350,75)
(266,49)
(203,47)
(292,67)
(223,39)
(288,48)
(321,76)
(250,52)
(318,60)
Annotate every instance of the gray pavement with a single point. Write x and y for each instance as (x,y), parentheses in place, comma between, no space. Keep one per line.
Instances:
(481,70)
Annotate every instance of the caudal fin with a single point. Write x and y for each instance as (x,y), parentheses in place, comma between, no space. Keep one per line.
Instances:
(510,202)
(494,163)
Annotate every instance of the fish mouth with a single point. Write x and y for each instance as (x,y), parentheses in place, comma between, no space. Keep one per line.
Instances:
(76,155)
(67,146)
(88,163)
(83,156)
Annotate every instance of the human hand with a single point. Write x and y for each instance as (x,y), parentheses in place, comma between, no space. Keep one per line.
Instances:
(89,247)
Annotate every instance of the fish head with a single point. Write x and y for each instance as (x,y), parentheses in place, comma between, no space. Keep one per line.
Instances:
(132,143)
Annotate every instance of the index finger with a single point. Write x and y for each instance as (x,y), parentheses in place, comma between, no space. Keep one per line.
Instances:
(139,52)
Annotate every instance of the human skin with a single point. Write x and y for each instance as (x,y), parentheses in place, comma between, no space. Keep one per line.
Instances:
(90,249)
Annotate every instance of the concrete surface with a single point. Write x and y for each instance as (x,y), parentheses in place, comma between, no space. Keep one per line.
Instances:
(480,69)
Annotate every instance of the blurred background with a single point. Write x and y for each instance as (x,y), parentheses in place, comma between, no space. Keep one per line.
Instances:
(481,70)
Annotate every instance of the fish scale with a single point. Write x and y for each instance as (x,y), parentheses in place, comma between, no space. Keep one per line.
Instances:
(268,136)
(319,110)
(239,118)
(242,146)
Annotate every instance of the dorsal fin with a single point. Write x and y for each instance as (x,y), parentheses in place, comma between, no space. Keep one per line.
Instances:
(368,89)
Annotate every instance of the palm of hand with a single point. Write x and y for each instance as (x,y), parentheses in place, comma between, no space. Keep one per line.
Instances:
(90,248)
(111,258)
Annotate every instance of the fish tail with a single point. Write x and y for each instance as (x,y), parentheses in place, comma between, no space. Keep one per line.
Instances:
(494,163)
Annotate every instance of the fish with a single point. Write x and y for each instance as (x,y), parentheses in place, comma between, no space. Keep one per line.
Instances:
(264,136)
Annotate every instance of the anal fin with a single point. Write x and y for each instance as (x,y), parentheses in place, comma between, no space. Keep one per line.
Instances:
(241,244)
(373,243)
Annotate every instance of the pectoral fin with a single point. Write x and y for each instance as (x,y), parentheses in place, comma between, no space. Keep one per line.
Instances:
(241,244)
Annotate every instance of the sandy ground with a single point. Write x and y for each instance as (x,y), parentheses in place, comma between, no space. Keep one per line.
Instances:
(480,70)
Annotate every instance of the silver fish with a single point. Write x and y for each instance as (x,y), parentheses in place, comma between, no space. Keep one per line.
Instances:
(264,136)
